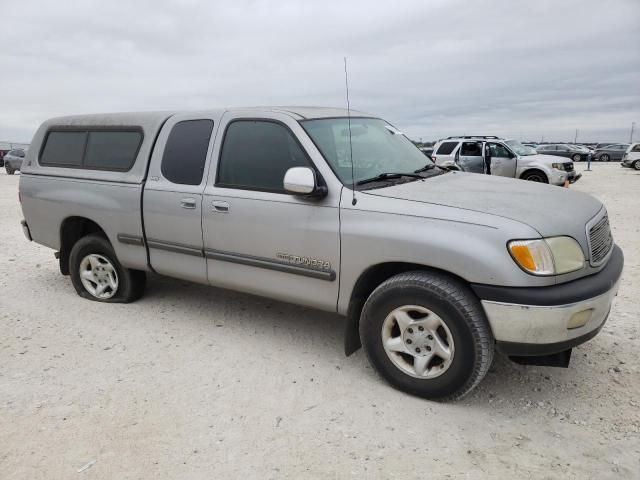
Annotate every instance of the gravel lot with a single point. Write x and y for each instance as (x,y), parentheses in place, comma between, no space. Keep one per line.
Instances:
(196,382)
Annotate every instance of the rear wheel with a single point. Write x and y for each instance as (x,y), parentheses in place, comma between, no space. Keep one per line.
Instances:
(535,176)
(636,164)
(10,171)
(576,157)
(97,274)
(427,334)
(604,157)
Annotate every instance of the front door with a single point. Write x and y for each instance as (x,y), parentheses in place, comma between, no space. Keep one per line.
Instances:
(470,157)
(172,202)
(257,237)
(503,161)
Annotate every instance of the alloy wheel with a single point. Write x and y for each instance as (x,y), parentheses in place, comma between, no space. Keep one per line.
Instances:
(99,277)
(418,341)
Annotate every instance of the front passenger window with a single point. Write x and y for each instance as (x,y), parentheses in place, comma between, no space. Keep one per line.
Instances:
(256,154)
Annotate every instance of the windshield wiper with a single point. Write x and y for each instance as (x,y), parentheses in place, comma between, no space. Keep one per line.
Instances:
(428,166)
(388,176)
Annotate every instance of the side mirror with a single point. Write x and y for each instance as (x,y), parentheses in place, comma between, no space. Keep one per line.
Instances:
(302,181)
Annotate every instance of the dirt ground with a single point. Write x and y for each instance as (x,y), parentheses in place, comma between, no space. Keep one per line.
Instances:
(196,382)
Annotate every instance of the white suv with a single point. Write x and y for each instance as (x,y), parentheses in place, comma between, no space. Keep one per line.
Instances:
(507,158)
(631,158)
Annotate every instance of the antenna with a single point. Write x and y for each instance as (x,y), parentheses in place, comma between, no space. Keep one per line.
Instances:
(353,180)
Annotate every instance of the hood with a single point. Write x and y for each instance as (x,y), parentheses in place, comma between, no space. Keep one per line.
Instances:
(544,158)
(548,209)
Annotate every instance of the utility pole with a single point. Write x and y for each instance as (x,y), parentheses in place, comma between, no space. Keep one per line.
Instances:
(575,138)
(633,126)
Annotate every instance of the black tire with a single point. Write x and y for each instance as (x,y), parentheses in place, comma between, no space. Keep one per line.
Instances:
(131,283)
(636,164)
(10,171)
(458,308)
(577,157)
(535,176)
(604,157)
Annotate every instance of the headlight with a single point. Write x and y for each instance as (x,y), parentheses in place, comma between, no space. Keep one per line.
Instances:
(547,256)
(557,166)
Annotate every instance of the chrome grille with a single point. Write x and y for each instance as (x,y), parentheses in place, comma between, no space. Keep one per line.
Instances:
(600,240)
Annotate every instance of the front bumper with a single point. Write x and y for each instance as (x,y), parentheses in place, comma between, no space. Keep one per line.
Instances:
(547,320)
(561,177)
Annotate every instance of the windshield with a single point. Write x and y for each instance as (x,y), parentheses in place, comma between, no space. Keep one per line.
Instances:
(520,149)
(377,147)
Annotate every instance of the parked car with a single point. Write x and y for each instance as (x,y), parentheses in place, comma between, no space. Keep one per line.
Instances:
(602,145)
(562,150)
(508,158)
(631,157)
(582,148)
(610,152)
(433,269)
(13,160)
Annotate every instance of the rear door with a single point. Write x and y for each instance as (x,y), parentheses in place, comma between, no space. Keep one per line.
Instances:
(257,237)
(172,199)
(469,157)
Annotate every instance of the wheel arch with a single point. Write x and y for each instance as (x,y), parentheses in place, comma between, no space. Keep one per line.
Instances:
(73,229)
(534,169)
(366,283)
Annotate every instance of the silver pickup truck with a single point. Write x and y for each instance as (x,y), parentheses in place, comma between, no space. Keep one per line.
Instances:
(433,269)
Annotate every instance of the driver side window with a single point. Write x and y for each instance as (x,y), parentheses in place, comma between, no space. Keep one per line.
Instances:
(499,151)
(256,154)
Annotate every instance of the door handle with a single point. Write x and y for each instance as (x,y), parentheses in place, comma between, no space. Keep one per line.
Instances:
(188,203)
(220,206)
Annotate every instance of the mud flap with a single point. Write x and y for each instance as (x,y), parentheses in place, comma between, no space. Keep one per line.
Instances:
(560,359)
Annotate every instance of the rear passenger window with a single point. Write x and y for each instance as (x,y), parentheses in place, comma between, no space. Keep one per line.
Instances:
(64,149)
(471,149)
(112,150)
(636,148)
(446,148)
(256,154)
(186,152)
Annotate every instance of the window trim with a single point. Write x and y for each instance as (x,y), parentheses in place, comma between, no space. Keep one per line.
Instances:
(311,165)
(87,130)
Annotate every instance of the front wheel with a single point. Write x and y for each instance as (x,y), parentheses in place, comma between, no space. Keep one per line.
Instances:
(636,164)
(97,274)
(604,158)
(427,334)
(576,158)
(535,176)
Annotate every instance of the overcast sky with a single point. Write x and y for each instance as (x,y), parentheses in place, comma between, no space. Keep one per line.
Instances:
(519,69)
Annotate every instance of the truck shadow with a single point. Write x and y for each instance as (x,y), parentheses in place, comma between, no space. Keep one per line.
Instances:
(284,326)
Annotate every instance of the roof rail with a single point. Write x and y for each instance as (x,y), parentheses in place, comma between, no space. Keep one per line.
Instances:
(472,136)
